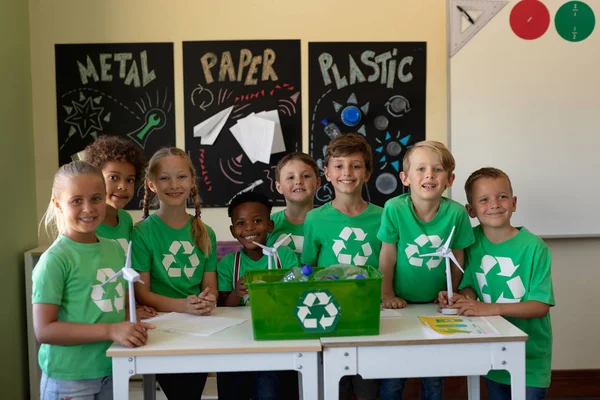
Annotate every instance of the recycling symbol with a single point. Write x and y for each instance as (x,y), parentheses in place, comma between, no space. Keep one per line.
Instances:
(98,292)
(318,311)
(412,251)
(294,242)
(507,269)
(172,266)
(339,247)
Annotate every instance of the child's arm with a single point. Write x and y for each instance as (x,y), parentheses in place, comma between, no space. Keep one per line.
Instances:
(387,266)
(457,273)
(526,309)
(190,305)
(49,330)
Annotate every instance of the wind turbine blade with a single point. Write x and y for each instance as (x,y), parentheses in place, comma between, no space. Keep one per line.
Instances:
(455,261)
(280,242)
(436,254)
(113,277)
(128,259)
(262,246)
(447,244)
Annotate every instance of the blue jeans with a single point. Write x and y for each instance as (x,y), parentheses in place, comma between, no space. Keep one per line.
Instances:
(84,389)
(500,391)
(431,388)
(261,385)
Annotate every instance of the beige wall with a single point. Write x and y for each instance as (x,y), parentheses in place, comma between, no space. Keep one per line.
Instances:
(72,21)
(18,193)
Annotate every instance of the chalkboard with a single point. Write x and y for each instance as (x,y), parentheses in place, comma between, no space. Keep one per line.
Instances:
(531,108)
(251,77)
(123,89)
(380,84)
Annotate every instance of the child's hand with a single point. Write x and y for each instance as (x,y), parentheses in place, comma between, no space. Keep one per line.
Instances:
(145,312)
(129,334)
(442,299)
(470,307)
(240,289)
(208,301)
(393,302)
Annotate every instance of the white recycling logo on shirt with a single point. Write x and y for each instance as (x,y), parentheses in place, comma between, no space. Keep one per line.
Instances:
(298,242)
(507,269)
(172,267)
(98,292)
(424,244)
(339,247)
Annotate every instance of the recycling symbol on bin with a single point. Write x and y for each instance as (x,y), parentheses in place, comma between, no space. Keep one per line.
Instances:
(318,311)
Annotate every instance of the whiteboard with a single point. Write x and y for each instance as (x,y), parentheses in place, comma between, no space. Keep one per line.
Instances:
(532,109)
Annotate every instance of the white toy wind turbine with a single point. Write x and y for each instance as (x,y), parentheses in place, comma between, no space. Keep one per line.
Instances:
(130,276)
(446,252)
(271,252)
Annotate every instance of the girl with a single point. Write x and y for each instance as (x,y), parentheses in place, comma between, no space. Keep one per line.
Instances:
(122,163)
(175,254)
(75,319)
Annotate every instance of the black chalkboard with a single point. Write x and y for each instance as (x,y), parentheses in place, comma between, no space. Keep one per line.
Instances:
(123,89)
(251,76)
(380,84)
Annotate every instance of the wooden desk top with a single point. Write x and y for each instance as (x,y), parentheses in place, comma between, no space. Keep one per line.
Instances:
(409,330)
(238,339)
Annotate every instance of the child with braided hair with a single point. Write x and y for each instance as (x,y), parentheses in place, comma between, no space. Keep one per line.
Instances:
(185,280)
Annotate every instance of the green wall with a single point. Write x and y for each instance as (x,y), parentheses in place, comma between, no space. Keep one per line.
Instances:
(17,193)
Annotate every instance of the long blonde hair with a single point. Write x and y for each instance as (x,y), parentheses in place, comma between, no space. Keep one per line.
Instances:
(199,231)
(52,220)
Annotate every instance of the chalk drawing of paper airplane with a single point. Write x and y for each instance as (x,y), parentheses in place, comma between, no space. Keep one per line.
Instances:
(209,129)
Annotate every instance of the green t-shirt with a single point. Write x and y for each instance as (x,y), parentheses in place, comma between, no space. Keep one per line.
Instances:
(514,271)
(69,275)
(226,269)
(120,233)
(283,227)
(175,264)
(420,279)
(332,237)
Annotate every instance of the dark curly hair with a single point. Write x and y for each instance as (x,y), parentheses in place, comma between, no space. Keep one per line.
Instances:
(249,197)
(115,148)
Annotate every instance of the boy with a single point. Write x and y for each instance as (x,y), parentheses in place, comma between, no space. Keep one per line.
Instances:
(509,270)
(344,230)
(122,163)
(297,179)
(417,223)
(250,222)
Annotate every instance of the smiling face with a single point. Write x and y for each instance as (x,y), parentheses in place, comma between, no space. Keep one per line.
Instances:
(492,202)
(347,174)
(297,182)
(426,176)
(119,177)
(251,223)
(172,182)
(82,202)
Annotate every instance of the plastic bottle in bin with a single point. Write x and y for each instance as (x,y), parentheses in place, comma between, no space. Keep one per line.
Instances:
(341,272)
(298,274)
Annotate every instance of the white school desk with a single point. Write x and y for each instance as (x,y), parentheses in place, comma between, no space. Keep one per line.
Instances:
(405,349)
(233,349)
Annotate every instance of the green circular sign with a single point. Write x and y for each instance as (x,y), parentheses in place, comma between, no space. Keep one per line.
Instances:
(575,21)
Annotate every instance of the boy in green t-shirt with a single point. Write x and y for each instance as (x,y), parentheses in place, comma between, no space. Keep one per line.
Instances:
(344,231)
(509,270)
(297,179)
(250,222)
(417,223)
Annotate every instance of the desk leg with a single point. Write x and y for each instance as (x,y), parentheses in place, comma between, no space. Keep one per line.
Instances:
(308,365)
(337,362)
(473,387)
(149,385)
(511,357)
(123,369)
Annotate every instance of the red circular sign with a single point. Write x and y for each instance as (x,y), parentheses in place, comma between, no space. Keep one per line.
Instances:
(529,19)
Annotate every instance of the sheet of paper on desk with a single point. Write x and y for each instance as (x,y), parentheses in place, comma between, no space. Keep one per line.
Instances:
(452,325)
(193,324)
(389,313)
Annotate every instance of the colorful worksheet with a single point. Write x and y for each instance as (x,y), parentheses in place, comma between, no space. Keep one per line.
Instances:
(446,325)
